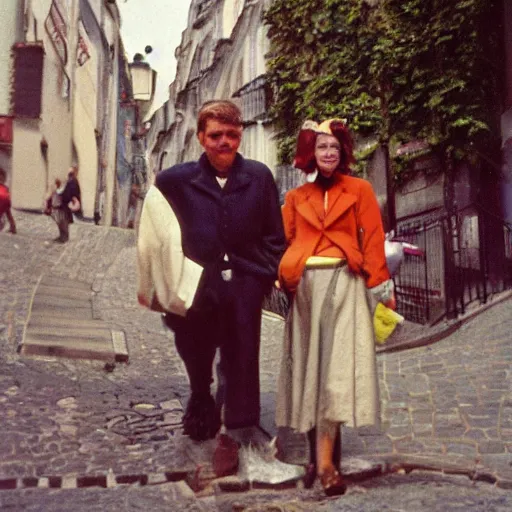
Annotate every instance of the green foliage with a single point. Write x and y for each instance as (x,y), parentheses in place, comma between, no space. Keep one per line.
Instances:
(397,69)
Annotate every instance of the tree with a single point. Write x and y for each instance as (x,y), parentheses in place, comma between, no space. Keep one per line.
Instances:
(398,69)
(314,67)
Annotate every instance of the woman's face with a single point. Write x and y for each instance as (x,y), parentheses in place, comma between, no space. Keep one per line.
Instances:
(327,154)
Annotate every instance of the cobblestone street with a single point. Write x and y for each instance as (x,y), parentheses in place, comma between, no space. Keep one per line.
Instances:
(81,434)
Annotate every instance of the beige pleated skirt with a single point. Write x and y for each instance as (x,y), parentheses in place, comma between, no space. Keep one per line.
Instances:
(328,367)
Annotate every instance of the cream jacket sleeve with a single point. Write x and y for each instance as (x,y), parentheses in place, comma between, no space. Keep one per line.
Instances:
(163,269)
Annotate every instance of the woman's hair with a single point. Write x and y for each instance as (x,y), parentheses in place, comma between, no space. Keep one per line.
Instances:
(305,151)
(223,111)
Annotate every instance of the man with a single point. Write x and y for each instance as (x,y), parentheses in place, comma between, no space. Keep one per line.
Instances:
(72,194)
(5,203)
(218,221)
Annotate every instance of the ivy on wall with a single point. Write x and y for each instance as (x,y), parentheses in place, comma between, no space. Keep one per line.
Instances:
(397,70)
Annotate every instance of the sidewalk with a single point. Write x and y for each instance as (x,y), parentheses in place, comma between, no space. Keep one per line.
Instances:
(412,335)
(72,424)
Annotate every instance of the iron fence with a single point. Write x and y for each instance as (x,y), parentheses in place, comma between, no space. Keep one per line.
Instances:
(419,283)
(466,257)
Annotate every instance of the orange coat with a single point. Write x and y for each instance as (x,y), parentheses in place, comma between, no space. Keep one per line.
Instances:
(352,223)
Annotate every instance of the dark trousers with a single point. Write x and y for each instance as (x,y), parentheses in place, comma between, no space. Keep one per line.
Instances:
(232,322)
(64,229)
(61,218)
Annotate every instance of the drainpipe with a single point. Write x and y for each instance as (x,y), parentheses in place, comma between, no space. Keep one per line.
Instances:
(72,65)
(27,9)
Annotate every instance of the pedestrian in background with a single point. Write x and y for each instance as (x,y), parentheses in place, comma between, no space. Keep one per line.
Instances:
(63,202)
(133,201)
(54,208)
(335,253)
(72,194)
(5,204)
(218,221)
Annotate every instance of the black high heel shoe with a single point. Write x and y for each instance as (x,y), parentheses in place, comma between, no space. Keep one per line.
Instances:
(310,476)
(333,483)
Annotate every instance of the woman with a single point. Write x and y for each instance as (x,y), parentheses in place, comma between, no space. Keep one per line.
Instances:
(55,208)
(335,253)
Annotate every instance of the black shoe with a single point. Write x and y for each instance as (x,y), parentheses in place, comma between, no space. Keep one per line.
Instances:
(225,456)
(202,418)
(333,483)
(309,476)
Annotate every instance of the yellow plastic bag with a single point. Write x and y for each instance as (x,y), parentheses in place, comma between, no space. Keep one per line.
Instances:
(385,321)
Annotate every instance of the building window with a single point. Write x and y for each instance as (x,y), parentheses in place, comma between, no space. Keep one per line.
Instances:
(28,80)
(254,100)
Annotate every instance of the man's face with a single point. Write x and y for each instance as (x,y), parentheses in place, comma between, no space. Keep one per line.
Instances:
(220,142)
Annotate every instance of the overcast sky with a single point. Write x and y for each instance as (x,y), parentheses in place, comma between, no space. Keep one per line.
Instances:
(158,23)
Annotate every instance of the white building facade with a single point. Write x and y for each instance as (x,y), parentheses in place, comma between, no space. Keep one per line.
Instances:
(221,56)
(60,94)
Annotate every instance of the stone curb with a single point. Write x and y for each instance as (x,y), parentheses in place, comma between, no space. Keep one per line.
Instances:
(409,463)
(232,484)
(106,481)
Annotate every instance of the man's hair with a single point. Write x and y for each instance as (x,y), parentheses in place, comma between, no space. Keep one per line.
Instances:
(3,175)
(224,111)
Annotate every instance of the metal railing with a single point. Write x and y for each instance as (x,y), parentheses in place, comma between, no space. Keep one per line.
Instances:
(467,256)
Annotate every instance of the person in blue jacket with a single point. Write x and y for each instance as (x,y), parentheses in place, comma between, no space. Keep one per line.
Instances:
(230,224)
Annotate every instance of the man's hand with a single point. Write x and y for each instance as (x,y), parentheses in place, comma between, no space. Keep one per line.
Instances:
(143,301)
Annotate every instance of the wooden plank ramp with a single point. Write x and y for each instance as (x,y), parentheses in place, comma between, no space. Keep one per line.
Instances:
(61,324)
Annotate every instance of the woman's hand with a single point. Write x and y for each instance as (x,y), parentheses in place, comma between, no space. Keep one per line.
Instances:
(391,302)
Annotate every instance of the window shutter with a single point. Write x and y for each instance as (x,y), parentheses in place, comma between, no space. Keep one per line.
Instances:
(28,80)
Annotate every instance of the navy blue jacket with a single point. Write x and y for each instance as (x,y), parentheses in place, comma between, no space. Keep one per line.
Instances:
(242,220)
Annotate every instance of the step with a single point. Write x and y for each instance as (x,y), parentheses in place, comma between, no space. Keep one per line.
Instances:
(72,347)
(59,318)
(92,333)
(63,302)
(63,282)
(44,290)
(50,311)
